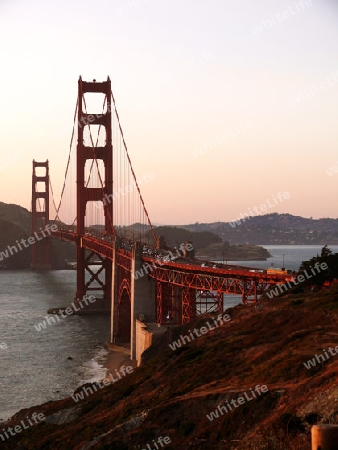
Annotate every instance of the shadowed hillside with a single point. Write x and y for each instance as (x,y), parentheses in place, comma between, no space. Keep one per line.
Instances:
(9,234)
(17,215)
(208,245)
(175,236)
(15,225)
(172,393)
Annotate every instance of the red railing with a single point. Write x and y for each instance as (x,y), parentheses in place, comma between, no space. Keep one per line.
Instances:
(190,274)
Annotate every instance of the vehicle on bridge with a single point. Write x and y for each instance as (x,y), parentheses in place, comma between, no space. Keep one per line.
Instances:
(282,271)
(276,270)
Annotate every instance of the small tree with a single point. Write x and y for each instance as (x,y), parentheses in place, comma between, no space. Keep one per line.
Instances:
(318,278)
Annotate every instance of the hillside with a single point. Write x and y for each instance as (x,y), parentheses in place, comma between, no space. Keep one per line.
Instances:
(208,245)
(172,393)
(15,225)
(210,240)
(269,229)
(17,215)
(175,235)
(10,233)
(226,252)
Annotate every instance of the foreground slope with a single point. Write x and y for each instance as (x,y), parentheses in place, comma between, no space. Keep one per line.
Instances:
(172,393)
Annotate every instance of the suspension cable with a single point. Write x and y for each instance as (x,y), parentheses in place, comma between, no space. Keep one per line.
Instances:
(68,163)
(51,190)
(133,173)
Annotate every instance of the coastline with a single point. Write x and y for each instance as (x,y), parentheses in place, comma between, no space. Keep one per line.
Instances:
(116,358)
(113,359)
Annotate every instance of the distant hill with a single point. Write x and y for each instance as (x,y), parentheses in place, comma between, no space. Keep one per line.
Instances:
(217,240)
(174,236)
(269,229)
(9,234)
(208,245)
(17,215)
(15,225)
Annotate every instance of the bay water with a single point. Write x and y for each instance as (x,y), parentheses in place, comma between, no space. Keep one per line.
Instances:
(38,366)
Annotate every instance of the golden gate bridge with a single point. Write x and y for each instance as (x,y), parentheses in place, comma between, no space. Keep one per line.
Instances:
(102,211)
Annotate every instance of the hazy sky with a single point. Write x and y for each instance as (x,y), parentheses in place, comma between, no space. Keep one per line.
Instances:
(226,102)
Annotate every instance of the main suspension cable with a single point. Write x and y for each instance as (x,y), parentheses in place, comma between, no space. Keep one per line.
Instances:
(132,171)
(68,163)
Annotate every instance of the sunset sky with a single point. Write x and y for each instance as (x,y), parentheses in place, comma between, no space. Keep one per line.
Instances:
(227,102)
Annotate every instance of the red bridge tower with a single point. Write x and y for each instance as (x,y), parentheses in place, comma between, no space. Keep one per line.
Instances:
(40,216)
(90,194)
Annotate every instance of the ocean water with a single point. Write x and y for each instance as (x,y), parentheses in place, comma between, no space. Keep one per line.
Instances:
(293,256)
(38,366)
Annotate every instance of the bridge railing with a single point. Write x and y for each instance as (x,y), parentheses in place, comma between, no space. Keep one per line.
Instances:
(98,241)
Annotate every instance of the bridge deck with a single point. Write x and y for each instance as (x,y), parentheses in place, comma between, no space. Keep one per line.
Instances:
(103,245)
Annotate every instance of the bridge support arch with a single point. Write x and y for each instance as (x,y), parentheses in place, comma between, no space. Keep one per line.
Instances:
(168,303)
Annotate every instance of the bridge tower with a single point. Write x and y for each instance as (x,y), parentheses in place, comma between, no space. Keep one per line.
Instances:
(40,216)
(89,194)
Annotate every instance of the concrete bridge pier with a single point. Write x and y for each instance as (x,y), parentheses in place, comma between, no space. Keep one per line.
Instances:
(113,308)
(143,295)
(142,298)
